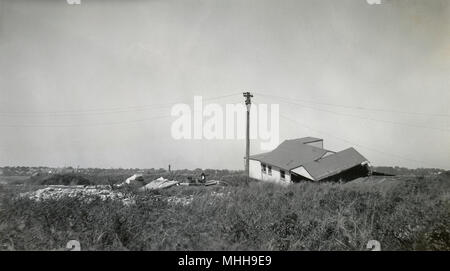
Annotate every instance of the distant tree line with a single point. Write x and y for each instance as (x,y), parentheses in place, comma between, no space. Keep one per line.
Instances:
(408,171)
(212,173)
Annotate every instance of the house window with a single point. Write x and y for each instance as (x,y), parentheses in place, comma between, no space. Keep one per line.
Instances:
(282,174)
(263,168)
(269,170)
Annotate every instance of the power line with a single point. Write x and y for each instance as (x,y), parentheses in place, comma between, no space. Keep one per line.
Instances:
(365,118)
(108,110)
(223,96)
(356,144)
(81,124)
(361,107)
(74,113)
(106,123)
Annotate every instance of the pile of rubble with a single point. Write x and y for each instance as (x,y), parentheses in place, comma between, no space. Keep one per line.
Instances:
(159,183)
(89,193)
(86,194)
(104,192)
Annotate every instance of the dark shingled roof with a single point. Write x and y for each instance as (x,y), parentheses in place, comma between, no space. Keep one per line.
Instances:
(334,164)
(291,153)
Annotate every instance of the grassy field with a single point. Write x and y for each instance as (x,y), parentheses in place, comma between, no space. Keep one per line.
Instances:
(13,179)
(402,213)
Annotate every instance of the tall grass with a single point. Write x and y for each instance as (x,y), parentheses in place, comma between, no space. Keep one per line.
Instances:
(402,214)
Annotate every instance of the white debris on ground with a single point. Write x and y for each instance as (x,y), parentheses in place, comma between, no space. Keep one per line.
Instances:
(159,184)
(86,194)
(136,178)
(89,193)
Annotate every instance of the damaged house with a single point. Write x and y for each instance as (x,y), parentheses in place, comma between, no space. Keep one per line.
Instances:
(305,159)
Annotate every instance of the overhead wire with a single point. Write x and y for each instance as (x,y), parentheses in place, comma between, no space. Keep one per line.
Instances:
(108,110)
(353,143)
(359,107)
(92,112)
(362,117)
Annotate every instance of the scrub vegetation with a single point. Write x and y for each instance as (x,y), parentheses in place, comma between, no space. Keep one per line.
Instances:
(401,212)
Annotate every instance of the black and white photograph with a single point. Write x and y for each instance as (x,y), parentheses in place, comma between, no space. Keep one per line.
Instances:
(225,126)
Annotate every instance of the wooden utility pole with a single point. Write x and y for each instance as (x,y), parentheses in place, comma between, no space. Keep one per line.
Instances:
(248,104)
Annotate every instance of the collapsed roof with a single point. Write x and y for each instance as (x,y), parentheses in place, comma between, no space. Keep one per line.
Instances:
(318,162)
(334,164)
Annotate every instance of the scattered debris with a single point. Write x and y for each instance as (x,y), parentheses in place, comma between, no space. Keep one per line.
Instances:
(211,182)
(208,183)
(191,184)
(89,193)
(86,194)
(135,179)
(159,184)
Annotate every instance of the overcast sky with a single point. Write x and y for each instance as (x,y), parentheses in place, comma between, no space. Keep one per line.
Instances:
(77,82)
